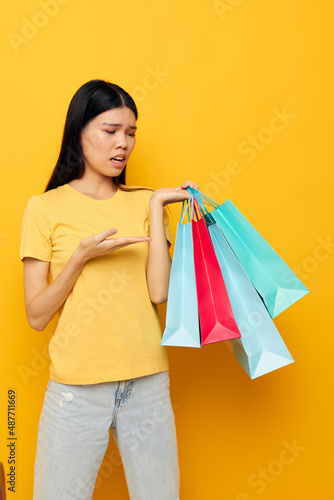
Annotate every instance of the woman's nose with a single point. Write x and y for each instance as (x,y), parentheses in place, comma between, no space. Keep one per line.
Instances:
(121,140)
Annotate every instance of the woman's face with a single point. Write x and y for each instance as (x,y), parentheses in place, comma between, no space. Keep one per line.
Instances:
(108,136)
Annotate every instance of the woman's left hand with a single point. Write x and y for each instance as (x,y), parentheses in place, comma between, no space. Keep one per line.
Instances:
(159,261)
(173,195)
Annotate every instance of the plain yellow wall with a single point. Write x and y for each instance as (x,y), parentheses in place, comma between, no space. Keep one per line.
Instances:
(209,78)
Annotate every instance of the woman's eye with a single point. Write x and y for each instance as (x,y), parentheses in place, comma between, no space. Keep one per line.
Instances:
(113,131)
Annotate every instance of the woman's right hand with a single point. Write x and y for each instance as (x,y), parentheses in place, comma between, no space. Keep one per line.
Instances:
(102,244)
(42,299)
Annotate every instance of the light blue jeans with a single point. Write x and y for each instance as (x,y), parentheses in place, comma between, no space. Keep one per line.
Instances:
(73,437)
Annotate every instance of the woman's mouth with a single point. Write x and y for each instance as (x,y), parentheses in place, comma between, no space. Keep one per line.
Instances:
(118,161)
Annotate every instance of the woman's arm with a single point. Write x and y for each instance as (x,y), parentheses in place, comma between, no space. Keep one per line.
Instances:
(42,301)
(159,261)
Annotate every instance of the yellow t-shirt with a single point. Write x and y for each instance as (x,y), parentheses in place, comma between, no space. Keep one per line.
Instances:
(108,329)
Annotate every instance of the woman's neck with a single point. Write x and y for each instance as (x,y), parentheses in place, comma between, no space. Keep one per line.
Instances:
(99,190)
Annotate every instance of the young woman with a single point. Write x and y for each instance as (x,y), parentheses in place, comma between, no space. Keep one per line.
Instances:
(96,252)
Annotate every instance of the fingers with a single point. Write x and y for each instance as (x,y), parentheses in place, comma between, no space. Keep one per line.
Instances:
(118,243)
(128,240)
(134,239)
(105,234)
(189,184)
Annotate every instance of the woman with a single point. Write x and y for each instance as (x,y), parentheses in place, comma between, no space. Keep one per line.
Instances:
(108,369)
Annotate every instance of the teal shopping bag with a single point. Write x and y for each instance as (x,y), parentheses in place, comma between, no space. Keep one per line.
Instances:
(277,284)
(182,323)
(260,349)
(215,313)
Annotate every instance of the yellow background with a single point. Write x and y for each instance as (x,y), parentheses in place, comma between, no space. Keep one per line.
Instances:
(208,78)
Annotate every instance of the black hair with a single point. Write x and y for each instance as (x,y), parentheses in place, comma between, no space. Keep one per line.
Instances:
(91,99)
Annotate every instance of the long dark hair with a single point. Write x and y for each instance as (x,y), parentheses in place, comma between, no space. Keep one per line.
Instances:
(91,99)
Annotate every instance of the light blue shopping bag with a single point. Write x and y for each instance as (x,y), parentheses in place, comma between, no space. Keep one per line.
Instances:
(260,349)
(182,322)
(277,284)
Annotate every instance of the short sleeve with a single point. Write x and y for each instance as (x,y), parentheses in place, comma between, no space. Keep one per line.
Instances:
(35,237)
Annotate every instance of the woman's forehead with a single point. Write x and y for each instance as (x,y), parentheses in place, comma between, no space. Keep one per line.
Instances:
(117,115)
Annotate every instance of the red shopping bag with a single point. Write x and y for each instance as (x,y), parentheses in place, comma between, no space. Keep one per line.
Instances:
(215,312)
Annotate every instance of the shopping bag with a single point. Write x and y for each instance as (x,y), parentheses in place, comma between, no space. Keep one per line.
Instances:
(277,284)
(182,323)
(215,313)
(260,349)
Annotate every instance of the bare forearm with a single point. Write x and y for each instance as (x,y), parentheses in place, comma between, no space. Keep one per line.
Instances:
(48,299)
(159,261)
(44,306)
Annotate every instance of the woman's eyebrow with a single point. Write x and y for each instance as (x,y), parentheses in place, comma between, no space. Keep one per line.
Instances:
(118,125)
